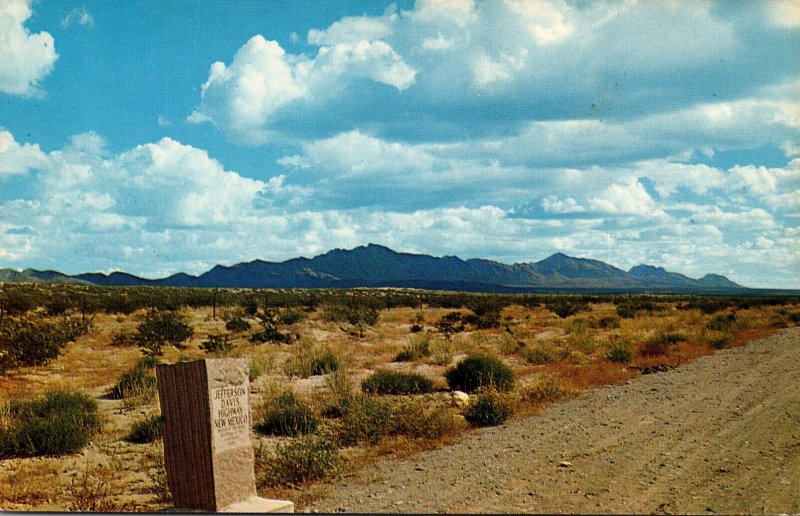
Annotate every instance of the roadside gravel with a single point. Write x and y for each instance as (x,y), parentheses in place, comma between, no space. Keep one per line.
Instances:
(718,435)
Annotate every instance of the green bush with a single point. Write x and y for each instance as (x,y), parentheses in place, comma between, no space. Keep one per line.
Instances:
(661,343)
(365,419)
(451,324)
(358,315)
(487,408)
(310,360)
(147,430)
(236,323)
(292,316)
(564,308)
(547,388)
(61,422)
(294,463)
(719,342)
(477,371)
(418,348)
(396,382)
(722,322)
(418,418)
(139,382)
(31,340)
(608,322)
(163,327)
(288,416)
(270,331)
(217,342)
(619,353)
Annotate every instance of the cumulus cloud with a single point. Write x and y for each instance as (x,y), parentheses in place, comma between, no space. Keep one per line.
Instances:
(243,98)
(785,13)
(628,199)
(25,58)
(16,158)
(78,16)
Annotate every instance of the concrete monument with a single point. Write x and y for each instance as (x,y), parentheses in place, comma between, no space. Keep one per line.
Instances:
(208,453)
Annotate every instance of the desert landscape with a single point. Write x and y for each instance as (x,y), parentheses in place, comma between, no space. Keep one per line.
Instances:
(361,398)
(400,256)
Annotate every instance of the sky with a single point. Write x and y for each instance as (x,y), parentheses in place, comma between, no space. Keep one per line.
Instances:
(158,137)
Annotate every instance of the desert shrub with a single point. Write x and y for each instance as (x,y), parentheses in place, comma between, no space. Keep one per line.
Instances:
(139,382)
(661,343)
(451,323)
(163,327)
(487,408)
(217,342)
(339,387)
(124,339)
(365,419)
(608,322)
(294,463)
(236,323)
(93,489)
(310,360)
(288,415)
(719,341)
(547,388)
(146,430)
(441,351)
(477,371)
(418,348)
(257,366)
(60,422)
(565,307)
(794,317)
(619,353)
(416,328)
(419,419)
(396,382)
(487,310)
(722,322)
(292,316)
(627,311)
(355,315)
(31,340)
(543,353)
(270,332)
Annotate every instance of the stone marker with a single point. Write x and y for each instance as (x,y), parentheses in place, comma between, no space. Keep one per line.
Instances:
(208,454)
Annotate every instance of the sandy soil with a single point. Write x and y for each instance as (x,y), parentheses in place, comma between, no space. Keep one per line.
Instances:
(720,434)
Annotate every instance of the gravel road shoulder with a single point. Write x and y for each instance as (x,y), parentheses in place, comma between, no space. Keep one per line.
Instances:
(721,434)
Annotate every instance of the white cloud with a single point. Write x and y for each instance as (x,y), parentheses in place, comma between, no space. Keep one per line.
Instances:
(25,58)
(353,30)
(245,94)
(458,12)
(262,79)
(628,199)
(669,176)
(438,43)
(552,204)
(78,16)
(357,154)
(545,19)
(16,158)
(785,13)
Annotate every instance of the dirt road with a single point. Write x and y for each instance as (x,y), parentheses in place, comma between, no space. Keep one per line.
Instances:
(721,434)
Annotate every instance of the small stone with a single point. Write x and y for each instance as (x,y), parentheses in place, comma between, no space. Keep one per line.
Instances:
(459,399)
(565,464)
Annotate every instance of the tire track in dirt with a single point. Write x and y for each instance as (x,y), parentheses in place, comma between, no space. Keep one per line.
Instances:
(721,434)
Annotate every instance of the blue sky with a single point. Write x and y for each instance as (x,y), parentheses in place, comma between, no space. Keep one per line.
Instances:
(157,137)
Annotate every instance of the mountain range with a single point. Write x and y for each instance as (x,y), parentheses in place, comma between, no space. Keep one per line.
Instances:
(378,266)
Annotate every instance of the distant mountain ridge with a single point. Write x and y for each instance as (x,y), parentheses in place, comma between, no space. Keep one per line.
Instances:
(378,266)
